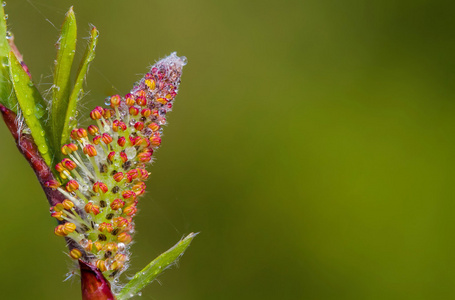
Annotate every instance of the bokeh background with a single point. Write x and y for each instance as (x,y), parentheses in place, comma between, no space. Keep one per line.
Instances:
(311,145)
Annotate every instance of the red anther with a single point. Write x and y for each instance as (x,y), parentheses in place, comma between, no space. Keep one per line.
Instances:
(81,133)
(111,156)
(146,112)
(150,83)
(128,195)
(144,173)
(124,238)
(66,150)
(107,138)
(130,210)
(121,222)
(155,112)
(118,176)
(155,140)
(145,155)
(122,125)
(154,126)
(135,140)
(69,164)
(105,227)
(90,150)
(58,215)
(129,178)
(72,146)
(59,231)
(129,99)
(139,126)
(134,173)
(74,135)
(144,158)
(59,167)
(117,204)
(92,208)
(169,105)
(69,227)
(141,93)
(139,188)
(88,207)
(72,186)
(115,125)
(96,114)
(68,204)
(59,207)
(100,109)
(93,130)
(115,101)
(124,157)
(100,187)
(96,140)
(108,113)
(134,111)
(121,141)
(53,184)
(162,100)
(141,100)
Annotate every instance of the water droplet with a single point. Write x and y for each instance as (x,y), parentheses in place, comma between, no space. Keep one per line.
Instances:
(39,111)
(84,243)
(6,16)
(130,152)
(121,247)
(107,101)
(9,35)
(4,3)
(28,111)
(16,78)
(43,149)
(30,83)
(139,294)
(184,60)
(42,133)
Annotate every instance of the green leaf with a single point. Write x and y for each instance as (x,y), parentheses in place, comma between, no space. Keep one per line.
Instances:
(32,106)
(78,87)
(62,72)
(153,269)
(7,96)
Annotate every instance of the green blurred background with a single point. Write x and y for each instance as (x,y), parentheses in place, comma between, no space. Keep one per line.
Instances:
(311,145)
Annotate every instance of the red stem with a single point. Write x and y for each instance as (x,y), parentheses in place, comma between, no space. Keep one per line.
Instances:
(27,147)
(93,284)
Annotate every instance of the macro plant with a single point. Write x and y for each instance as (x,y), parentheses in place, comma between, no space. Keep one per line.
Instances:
(93,177)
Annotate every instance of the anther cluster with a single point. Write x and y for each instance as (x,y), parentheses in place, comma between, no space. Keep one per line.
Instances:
(103,174)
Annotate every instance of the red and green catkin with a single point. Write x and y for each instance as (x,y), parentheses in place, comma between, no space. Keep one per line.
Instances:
(103,173)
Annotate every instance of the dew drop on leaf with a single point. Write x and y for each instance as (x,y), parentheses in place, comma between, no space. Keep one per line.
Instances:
(43,149)
(39,111)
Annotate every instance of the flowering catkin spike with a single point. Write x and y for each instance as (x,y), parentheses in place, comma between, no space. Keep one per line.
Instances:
(103,174)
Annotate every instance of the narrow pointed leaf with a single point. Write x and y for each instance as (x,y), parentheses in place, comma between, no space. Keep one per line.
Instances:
(78,86)
(32,106)
(62,72)
(152,270)
(7,97)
